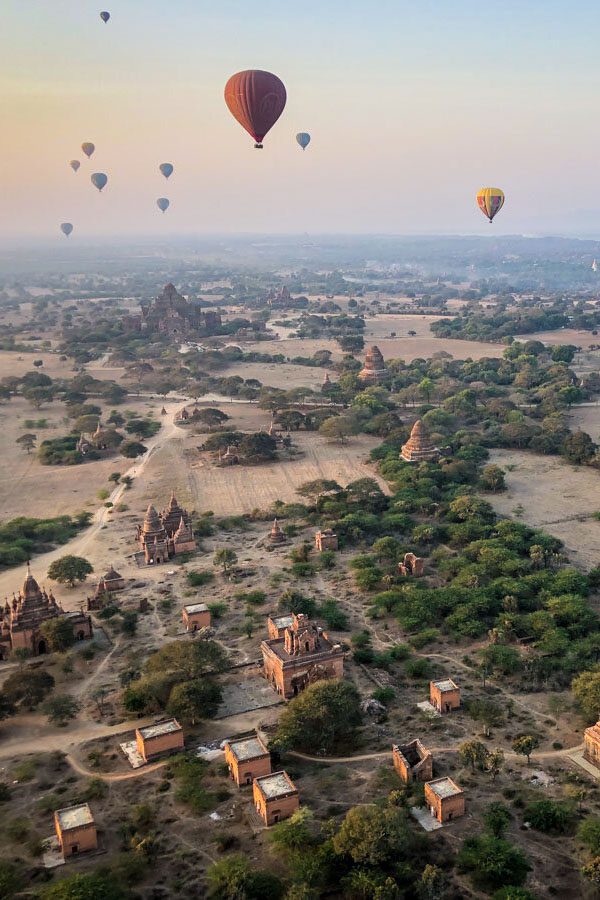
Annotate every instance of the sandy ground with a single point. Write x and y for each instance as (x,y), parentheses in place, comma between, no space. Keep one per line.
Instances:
(13,363)
(588,419)
(424,344)
(562,336)
(284,376)
(555,496)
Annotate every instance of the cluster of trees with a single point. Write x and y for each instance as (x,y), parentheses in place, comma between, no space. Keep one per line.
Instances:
(475,324)
(256,447)
(22,538)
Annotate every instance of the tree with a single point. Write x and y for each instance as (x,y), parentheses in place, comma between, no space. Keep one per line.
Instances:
(494,763)
(192,701)
(372,836)
(114,477)
(589,834)
(225,558)
(258,447)
(492,479)
(28,688)
(525,745)
(37,396)
(293,835)
(187,661)
(497,818)
(586,688)
(142,428)
(592,871)
(93,886)
(487,712)
(473,753)
(549,816)
(60,709)
(493,862)
(432,884)
(211,417)
(58,633)
(11,879)
(132,449)
(7,707)
(233,878)
(338,428)
(579,447)
(27,442)
(70,569)
(427,387)
(324,714)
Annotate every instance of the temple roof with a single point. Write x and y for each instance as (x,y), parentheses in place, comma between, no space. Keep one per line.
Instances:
(31,589)
(152,522)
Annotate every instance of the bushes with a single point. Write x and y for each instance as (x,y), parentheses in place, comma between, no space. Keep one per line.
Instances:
(549,816)
(22,538)
(199,579)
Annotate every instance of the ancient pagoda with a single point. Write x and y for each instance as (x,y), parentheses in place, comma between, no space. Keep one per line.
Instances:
(419,447)
(374,370)
(164,535)
(276,535)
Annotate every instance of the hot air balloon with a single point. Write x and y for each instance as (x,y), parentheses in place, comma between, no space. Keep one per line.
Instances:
(166,169)
(163,204)
(303,139)
(256,99)
(490,201)
(88,149)
(66,228)
(105,16)
(75,164)
(99,180)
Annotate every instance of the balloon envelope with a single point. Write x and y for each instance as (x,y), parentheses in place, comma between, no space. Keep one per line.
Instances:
(163,204)
(105,16)
(75,164)
(88,149)
(490,201)
(166,169)
(66,228)
(256,99)
(303,139)
(99,180)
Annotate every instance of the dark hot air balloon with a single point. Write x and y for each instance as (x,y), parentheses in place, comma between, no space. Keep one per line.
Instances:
(256,99)
(88,149)
(163,204)
(490,201)
(66,228)
(75,164)
(99,180)
(303,139)
(105,16)
(166,169)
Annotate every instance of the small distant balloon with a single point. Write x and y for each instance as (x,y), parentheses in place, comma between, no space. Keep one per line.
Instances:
(75,164)
(88,148)
(490,201)
(166,169)
(66,228)
(163,204)
(99,180)
(303,139)
(105,16)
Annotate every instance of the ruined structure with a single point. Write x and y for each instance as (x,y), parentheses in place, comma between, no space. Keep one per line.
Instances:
(326,540)
(159,739)
(374,370)
(275,797)
(276,535)
(22,617)
(110,583)
(446,801)
(102,442)
(591,744)
(276,625)
(412,565)
(170,313)
(412,762)
(300,656)
(444,695)
(196,616)
(75,830)
(247,759)
(164,535)
(419,447)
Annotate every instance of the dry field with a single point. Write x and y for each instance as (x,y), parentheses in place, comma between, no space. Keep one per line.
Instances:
(284,376)
(424,344)
(562,336)
(556,497)
(587,418)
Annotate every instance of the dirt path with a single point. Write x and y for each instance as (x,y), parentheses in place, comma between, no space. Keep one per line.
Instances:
(385,754)
(110,778)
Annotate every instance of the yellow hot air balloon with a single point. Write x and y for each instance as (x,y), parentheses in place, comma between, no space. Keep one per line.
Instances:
(490,201)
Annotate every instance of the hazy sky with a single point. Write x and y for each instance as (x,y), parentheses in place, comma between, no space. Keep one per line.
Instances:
(412,107)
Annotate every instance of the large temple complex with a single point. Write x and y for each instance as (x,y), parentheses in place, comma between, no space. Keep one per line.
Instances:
(170,313)
(419,447)
(301,655)
(22,617)
(164,535)
(374,370)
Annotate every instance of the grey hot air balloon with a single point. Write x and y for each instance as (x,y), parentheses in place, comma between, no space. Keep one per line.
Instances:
(163,204)
(66,228)
(303,139)
(88,148)
(166,169)
(75,164)
(105,16)
(99,180)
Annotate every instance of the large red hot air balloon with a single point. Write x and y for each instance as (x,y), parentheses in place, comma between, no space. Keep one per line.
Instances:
(256,99)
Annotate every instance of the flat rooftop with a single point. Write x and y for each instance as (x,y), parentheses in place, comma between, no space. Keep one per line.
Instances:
(282,621)
(74,817)
(444,787)
(277,645)
(278,784)
(248,748)
(152,731)
(446,685)
(195,607)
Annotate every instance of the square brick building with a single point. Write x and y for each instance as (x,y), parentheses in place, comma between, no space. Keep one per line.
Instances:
(302,656)
(413,762)
(444,695)
(156,740)
(275,797)
(196,616)
(326,540)
(446,801)
(75,830)
(591,744)
(276,625)
(247,759)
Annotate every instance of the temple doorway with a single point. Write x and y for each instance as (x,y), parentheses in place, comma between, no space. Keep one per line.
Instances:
(42,648)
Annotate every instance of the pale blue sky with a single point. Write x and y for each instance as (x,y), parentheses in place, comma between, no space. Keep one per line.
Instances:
(412,108)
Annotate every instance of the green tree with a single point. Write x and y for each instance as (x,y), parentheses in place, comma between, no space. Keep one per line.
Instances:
(324,714)
(338,428)
(497,818)
(492,479)
(92,886)
(132,449)
(375,836)
(592,871)
(586,688)
(432,884)
(589,834)
(525,745)
(192,701)
(60,709)
(58,633)
(487,712)
(11,879)
(495,762)
(28,688)
(549,816)
(293,835)
(69,570)
(187,661)
(493,862)
(258,447)
(27,442)
(225,557)
(473,753)
(233,878)
(579,447)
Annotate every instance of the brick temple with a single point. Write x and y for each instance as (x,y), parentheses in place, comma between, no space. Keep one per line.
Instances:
(374,370)
(170,313)
(166,534)
(591,744)
(419,447)
(413,762)
(301,655)
(247,759)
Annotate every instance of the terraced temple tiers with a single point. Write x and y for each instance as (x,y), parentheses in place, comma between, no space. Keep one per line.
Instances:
(419,447)
(374,369)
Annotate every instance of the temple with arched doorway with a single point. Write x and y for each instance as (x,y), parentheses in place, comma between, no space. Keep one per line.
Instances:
(164,535)
(301,655)
(22,617)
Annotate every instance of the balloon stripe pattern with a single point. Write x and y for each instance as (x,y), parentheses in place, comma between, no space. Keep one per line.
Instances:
(490,201)
(256,99)
(303,139)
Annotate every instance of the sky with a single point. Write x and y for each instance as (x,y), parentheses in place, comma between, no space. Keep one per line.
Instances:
(412,107)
